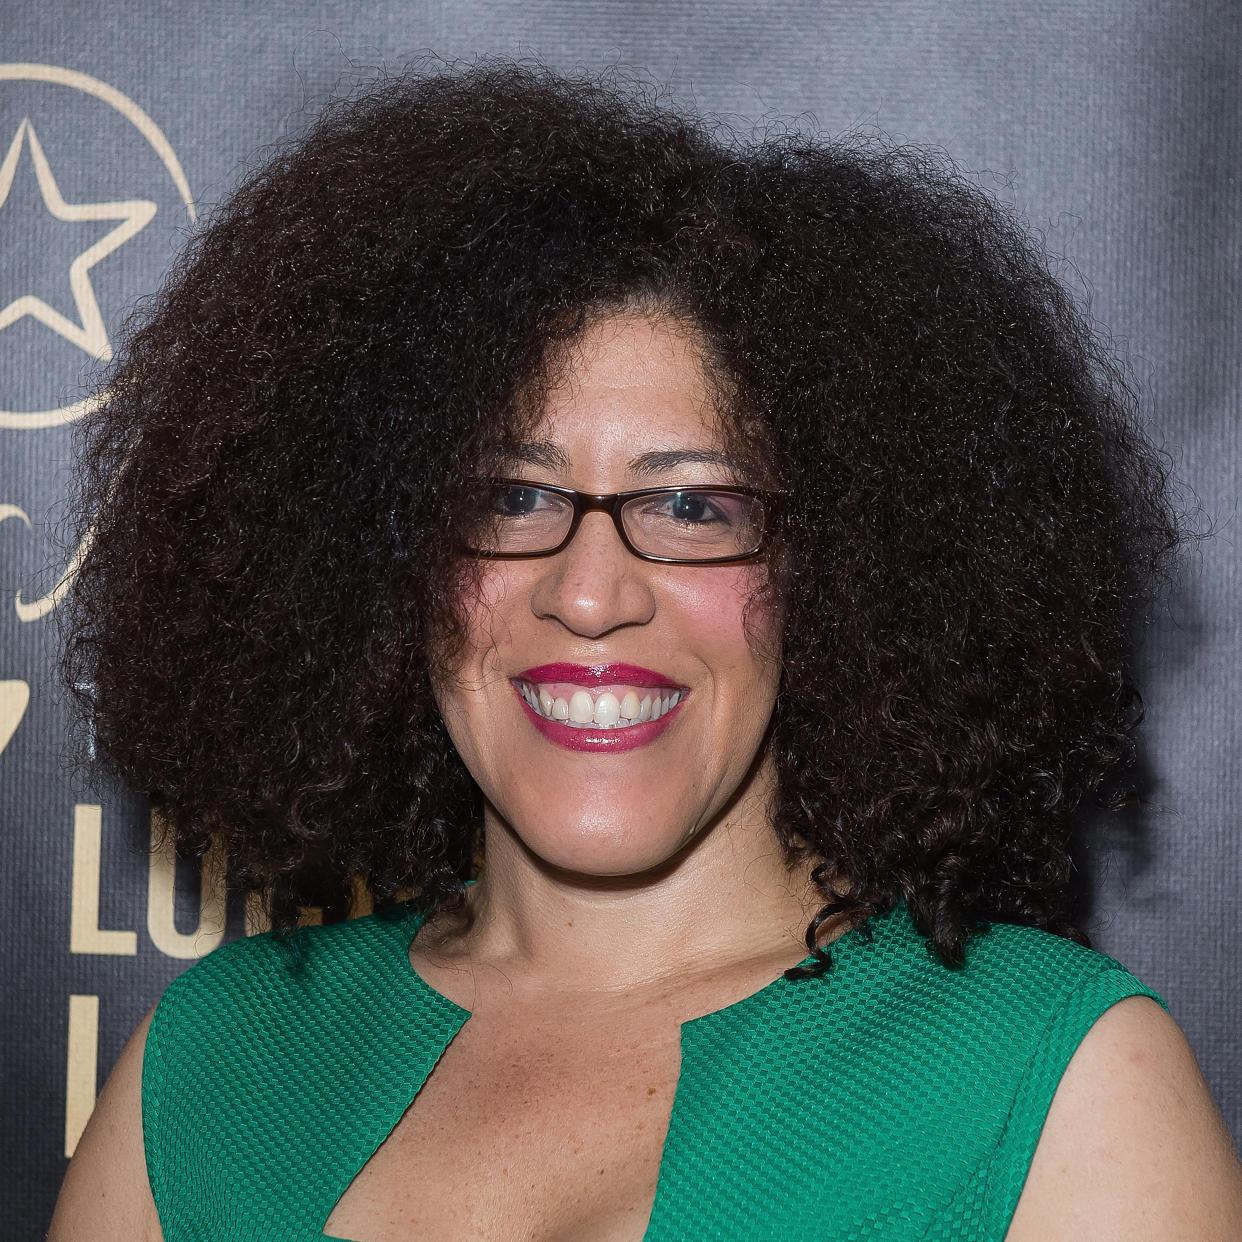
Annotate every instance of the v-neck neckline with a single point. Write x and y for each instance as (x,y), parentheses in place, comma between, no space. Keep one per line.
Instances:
(412,993)
(426,991)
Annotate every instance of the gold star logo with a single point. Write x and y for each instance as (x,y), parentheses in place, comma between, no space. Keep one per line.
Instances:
(87,87)
(134,215)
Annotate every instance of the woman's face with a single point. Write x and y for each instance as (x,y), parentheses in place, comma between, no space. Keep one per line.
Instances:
(633,412)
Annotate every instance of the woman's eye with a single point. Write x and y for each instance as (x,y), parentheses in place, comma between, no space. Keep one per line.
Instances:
(693,508)
(516,501)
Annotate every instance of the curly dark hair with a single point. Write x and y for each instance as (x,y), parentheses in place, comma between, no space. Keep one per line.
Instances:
(287,437)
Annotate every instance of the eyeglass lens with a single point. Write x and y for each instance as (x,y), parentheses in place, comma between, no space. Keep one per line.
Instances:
(677,523)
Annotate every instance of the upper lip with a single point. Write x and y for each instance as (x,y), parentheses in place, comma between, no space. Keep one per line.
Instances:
(599,675)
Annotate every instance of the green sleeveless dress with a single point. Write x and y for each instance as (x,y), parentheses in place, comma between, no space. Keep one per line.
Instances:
(894,1099)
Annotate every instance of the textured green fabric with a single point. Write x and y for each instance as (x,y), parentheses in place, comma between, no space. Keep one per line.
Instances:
(893,1099)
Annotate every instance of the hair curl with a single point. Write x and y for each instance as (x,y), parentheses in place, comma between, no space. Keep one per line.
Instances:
(971,513)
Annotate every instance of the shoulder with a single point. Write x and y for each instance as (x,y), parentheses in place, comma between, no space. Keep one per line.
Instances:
(1008,1020)
(1102,1125)
(1133,1146)
(1019,984)
(1000,1027)
(106,1194)
(1054,988)
(983,1046)
(306,949)
(269,966)
(254,986)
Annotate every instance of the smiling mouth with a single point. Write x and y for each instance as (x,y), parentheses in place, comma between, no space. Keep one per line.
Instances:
(598,707)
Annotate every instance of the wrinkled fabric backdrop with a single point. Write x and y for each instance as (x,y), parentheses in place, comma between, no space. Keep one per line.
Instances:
(1112,126)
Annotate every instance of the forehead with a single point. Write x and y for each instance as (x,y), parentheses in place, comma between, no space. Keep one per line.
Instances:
(629,385)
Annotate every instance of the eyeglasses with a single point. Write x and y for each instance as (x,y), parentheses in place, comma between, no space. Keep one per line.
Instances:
(669,525)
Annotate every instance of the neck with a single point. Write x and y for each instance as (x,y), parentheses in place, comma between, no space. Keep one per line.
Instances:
(727,896)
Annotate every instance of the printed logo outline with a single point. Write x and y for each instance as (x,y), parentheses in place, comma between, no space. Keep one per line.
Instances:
(91,330)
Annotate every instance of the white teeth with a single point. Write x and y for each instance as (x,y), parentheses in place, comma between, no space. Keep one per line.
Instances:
(581,708)
(607,710)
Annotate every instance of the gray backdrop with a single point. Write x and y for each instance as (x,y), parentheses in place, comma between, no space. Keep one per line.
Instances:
(1112,125)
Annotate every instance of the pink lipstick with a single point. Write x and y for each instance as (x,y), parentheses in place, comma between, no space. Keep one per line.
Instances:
(596,707)
(598,675)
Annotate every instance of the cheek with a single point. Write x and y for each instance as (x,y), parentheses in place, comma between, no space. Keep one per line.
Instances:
(483,604)
(487,598)
(734,617)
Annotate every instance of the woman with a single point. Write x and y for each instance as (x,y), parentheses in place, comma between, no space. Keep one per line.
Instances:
(724,552)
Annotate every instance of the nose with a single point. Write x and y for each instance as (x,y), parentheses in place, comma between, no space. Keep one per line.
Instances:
(594,585)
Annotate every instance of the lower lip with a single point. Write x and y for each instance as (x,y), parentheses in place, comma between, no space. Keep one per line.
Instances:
(612,741)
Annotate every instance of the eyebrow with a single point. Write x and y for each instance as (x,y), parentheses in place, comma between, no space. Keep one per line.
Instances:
(548,455)
(658,462)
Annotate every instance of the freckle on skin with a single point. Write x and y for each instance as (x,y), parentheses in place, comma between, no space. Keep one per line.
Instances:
(651,1091)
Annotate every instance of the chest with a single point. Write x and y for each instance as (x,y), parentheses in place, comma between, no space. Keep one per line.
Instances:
(530,1129)
(868,1105)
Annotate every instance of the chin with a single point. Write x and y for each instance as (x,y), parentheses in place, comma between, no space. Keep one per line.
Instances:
(603,850)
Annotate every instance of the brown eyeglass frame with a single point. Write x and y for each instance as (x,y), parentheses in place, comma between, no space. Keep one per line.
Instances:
(613,502)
